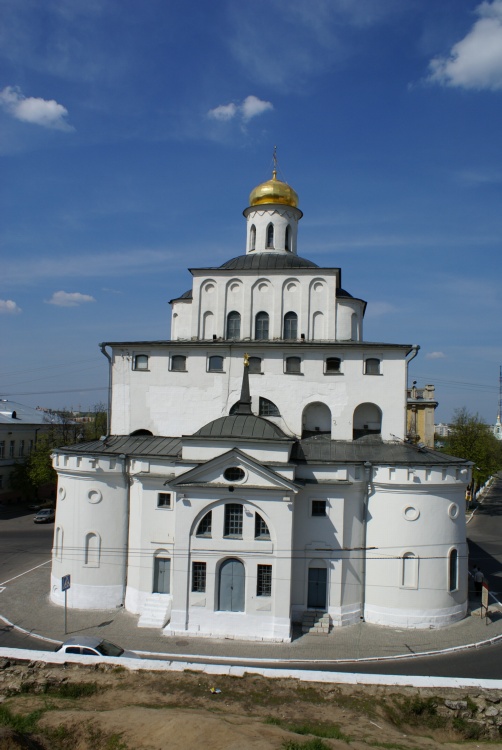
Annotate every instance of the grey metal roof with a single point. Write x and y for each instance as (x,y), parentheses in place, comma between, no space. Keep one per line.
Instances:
(24,414)
(266,261)
(186,295)
(322,449)
(139,445)
(242,426)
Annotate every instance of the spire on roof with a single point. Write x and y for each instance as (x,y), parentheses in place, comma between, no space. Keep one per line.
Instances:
(243,406)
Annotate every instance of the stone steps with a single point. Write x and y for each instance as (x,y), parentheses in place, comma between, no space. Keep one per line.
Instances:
(156,611)
(316,622)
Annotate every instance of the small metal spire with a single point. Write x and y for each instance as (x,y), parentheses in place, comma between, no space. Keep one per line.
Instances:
(274,171)
(244,403)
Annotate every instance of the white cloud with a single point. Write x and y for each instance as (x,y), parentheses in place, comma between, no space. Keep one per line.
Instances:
(9,307)
(223,112)
(252,107)
(249,108)
(45,112)
(435,355)
(69,299)
(476,61)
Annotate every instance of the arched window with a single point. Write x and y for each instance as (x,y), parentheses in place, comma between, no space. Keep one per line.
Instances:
(372,366)
(270,236)
(316,418)
(453,570)
(268,408)
(409,576)
(205,525)
(260,528)
(261,326)
(233,325)
(367,420)
(252,238)
(92,550)
(291,325)
(58,543)
(287,238)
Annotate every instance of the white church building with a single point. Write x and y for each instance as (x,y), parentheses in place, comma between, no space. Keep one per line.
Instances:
(256,472)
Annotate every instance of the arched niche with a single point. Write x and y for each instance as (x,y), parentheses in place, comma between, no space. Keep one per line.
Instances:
(138,433)
(316,419)
(367,420)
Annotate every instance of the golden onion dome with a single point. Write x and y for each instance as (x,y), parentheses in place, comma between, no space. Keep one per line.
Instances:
(273,191)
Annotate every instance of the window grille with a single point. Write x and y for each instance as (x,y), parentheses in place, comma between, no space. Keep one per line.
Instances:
(264,580)
(291,325)
(199,576)
(205,526)
(260,528)
(233,520)
(262,326)
(233,325)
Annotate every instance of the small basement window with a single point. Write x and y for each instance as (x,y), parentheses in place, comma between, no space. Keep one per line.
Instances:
(318,508)
(164,500)
(140,362)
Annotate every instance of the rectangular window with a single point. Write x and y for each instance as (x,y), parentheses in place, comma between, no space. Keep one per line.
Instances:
(2,448)
(233,520)
(215,364)
(293,365)
(372,366)
(318,508)
(199,576)
(254,365)
(164,500)
(140,362)
(332,366)
(178,363)
(264,580)
(12,445)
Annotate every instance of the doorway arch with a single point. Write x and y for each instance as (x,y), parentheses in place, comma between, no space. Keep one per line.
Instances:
(231,586)
(316,419)
(367,420)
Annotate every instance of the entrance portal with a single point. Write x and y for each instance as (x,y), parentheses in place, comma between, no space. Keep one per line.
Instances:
(316,597)
(231,589)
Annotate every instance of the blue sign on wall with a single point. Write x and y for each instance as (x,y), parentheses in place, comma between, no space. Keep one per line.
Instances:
(65,583)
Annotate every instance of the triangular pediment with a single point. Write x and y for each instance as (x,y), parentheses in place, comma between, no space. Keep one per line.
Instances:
(234,468)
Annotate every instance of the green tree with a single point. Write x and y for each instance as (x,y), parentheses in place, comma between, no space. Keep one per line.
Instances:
(472,439)
(98,424)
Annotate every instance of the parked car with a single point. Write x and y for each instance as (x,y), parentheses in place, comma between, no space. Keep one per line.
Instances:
(94,647)
(46,515)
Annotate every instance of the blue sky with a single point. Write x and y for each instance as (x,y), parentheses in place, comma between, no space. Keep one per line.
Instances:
(131,135)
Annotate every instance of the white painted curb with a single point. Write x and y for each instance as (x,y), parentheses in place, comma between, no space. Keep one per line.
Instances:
(152,665)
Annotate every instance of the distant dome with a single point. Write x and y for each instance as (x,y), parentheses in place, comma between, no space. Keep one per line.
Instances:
(274,191)
(241,426)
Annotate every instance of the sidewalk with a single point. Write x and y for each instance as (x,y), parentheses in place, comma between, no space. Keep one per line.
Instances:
(24,603)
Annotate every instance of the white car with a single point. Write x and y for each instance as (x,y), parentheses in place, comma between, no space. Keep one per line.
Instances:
(90,646)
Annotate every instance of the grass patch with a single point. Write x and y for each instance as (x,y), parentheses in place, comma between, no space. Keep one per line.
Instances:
(326,731)
(19,722)
(415,712)
(310,695)
(468,730)
(62,690)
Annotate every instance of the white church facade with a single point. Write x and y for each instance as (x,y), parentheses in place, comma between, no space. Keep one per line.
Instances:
(256,468)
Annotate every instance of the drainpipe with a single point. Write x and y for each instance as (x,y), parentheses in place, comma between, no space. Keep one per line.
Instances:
(127,482)
(367,492)
(109,409)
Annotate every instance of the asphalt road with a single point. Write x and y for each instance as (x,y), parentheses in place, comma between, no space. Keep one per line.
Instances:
(24,545)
